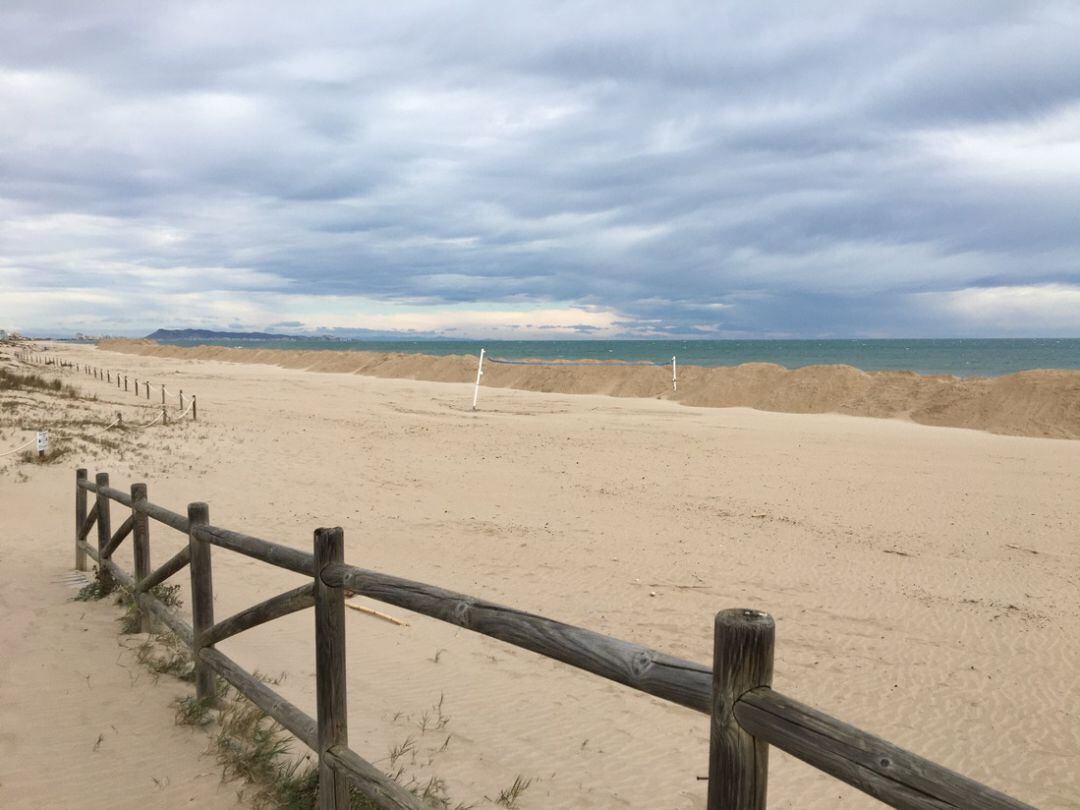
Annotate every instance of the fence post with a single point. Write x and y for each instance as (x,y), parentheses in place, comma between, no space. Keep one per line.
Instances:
(202,597)
(742,660)
(147,389)
(163,393)
(194,408)
(164,415)
(125,384)
(104,531)
(140,545)
(330,668)
(181,400)
(80,518)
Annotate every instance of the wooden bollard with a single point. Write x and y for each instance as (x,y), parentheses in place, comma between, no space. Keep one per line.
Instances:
(742,660)
(125,384)
(148,389)
(164,416)
(140,545)
(163,393)
(80,518)
(202,598)
(194,408)
(104,531)
(331,707)
(181,400)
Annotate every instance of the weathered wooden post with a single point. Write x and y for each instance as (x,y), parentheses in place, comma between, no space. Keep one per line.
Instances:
(80,518)
(181,400)
(136,386)
(742,660)
(140,545)
(104,531)
(125,384)
(148,389)
(164,415)
(194,408)
(330,668)
(202,597)
(163,394)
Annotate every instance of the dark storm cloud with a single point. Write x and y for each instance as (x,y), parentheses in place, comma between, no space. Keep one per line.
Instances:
(831,168)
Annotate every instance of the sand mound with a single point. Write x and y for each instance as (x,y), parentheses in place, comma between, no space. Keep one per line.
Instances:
(1031,403)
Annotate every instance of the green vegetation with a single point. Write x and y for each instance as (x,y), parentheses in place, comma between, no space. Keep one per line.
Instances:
(131,621)
(94,589)
(14,381)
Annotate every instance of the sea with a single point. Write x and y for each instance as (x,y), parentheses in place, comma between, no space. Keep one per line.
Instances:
(958,357)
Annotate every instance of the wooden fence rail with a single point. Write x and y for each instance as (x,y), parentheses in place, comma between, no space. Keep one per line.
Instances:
(746,715)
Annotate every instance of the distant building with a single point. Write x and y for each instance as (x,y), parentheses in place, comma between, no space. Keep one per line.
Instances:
(3,334)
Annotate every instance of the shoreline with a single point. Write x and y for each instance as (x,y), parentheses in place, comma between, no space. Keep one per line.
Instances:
(1040,403)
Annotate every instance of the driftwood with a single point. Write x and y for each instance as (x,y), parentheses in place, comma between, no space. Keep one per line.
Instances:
(386,617)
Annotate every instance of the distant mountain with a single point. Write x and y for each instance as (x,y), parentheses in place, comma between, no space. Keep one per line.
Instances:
(210,334)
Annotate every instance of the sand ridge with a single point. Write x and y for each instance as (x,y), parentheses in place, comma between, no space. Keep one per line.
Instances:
(1043,403)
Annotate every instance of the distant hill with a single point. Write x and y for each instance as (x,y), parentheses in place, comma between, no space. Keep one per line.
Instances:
(210,334)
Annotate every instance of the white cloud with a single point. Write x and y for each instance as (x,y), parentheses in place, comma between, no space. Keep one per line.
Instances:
(1046,310)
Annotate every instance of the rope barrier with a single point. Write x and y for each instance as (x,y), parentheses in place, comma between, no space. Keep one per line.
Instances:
(20,447)
(148,424)
(594,364)
(105,429)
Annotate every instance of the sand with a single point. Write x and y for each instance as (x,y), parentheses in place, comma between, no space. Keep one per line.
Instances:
(924,580)
(1031,403)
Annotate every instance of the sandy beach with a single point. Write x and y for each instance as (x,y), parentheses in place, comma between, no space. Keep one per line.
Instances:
(925,580)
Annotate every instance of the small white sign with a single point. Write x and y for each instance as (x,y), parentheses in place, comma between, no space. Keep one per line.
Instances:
(42,441)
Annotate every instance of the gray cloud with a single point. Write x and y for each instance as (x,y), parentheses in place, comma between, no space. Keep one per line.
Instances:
(832,169)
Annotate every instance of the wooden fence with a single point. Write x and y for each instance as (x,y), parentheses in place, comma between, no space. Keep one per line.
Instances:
(109,376)
(747,715)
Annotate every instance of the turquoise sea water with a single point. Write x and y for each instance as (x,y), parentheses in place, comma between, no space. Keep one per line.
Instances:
(963,358)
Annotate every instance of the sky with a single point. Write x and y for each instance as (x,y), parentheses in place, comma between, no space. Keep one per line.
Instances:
(541,170)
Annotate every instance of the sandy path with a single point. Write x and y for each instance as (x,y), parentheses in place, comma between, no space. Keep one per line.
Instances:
(81,723)
(924,580)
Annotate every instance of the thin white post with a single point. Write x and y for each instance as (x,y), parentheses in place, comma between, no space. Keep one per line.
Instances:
(479,374)
(674,375)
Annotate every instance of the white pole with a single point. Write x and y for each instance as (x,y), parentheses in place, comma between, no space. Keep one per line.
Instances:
(674,376)
(479,374)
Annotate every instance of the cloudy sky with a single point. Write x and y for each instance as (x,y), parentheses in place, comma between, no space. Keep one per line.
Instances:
(594,169)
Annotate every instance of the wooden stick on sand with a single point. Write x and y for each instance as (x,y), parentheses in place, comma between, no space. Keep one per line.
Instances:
(377,614)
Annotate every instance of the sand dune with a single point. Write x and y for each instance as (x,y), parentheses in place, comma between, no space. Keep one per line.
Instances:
(1032,403)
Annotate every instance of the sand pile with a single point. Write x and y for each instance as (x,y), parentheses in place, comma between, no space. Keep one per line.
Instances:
(1031,403)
